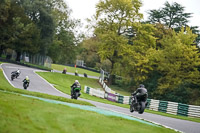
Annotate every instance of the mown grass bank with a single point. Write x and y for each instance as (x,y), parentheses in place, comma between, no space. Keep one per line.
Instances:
(73,69)
(22,114)
(63,82)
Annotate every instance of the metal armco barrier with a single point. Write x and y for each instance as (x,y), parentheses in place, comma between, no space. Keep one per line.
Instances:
(127,100)
(172,108)
(94,92)
(194,111)
(154,105)
(182,109)
(163,106)
(120,99)
(149,102)
(87,89)
(111,97)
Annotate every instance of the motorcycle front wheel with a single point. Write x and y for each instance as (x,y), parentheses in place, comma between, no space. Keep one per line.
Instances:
(131,108)
(76,95)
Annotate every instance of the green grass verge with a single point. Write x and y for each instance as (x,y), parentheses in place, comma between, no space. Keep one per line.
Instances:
(73,69)
(63,83)
(21,114)
(4,85)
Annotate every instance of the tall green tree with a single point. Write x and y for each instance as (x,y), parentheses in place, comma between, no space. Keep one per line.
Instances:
(137,62)
(65,39)
(172,15)
(89,49)
(4,15)
(40,12)
(18,32)
(114,18)
(179,61)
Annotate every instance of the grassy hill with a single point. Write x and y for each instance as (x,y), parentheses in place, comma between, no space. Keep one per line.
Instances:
(20,114)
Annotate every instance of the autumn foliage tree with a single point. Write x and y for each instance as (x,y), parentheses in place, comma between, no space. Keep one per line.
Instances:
(115,20)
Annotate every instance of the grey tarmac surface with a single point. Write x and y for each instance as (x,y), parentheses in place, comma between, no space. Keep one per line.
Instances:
(38,84)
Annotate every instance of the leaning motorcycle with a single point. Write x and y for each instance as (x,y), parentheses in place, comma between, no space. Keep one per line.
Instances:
(13,76)
(25,85)
(140,105)
(75,93)
(17,75)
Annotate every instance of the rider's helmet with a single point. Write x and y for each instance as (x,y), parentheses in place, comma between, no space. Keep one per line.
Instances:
(141,86)
(27,78)
(18,71)
(76,81)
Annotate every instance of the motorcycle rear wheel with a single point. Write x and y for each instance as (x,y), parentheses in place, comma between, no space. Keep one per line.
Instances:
(12,77)
(142,107)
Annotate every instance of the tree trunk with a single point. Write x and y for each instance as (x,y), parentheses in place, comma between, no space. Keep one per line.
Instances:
(1,50)
(18,56)
(111,79)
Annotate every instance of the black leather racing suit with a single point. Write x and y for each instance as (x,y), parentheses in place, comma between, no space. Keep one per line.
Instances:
(75,85)
(139,93)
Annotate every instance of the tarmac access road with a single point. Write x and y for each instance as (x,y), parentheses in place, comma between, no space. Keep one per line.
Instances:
(81,75)
(38,84)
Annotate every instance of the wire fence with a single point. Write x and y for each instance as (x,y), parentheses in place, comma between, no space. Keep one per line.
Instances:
(36,59)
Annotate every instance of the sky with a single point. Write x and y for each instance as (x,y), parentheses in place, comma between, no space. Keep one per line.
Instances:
(83,9)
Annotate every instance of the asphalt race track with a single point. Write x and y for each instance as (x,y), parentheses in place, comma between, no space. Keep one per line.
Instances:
(38,84)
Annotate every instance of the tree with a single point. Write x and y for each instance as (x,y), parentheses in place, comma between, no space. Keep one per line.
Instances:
(179,63)
(65,39)
(89,49)
(25,39)
(114,18)
(18,32)
(4,13)
(171,15)
(137,62)
(40,13)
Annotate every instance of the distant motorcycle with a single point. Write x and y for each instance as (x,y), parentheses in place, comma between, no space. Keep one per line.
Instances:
(64,71)
(75,93)
(14,75)
(140,105)
(26,82)
(25,85)
(76,74)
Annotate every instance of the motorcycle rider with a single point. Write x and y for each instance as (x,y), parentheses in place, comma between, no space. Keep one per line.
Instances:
(26,81)
(140,92)
(16,72)
(76,73)
(64,71)
(75,85)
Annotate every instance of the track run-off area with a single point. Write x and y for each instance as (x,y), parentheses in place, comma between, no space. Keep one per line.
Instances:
(38,84)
